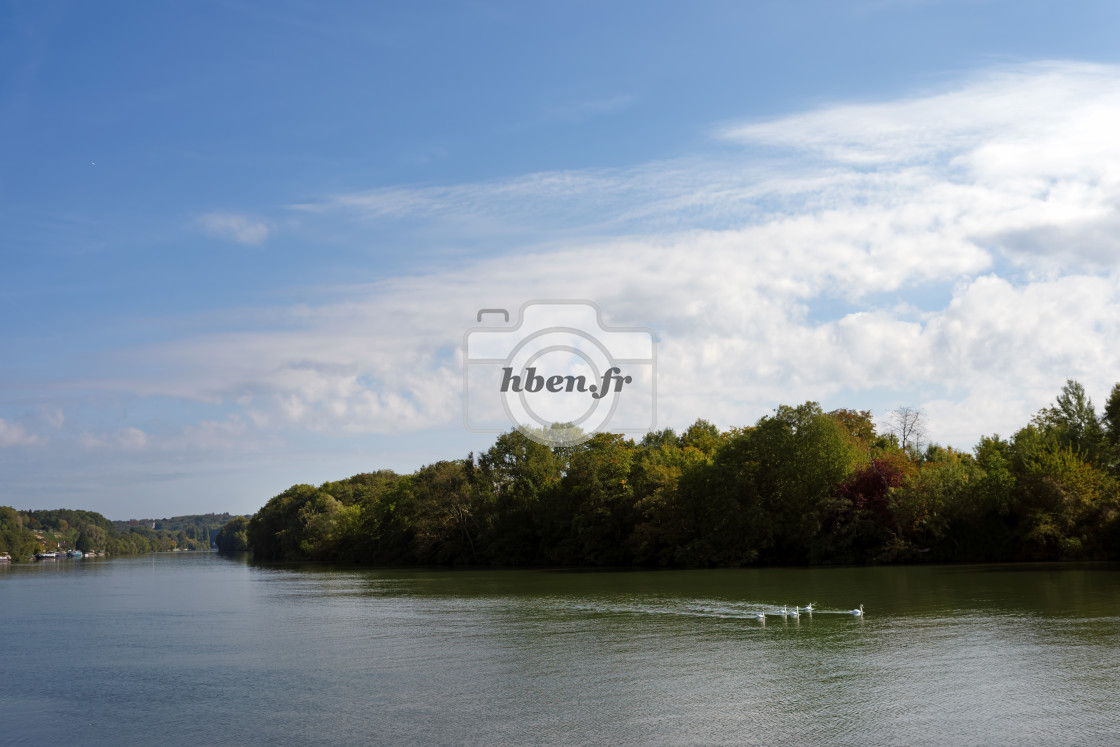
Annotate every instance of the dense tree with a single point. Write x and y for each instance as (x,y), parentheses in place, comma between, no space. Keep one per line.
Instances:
(655,474)
(514,476)
(798,486)
(1111,418)
(234,536)
(704,437)
(15,538)
(1073,422)
(92,538)
(858,424)
(88,531)
(601,498)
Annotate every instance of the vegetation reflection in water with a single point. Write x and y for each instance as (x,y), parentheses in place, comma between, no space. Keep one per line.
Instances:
(224,650)
(995,654)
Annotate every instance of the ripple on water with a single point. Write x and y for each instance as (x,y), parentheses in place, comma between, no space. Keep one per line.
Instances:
(217,651)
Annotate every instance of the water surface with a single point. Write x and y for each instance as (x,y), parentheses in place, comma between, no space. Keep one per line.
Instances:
(194,648)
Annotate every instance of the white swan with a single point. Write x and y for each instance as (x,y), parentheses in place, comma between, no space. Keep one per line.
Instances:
(784,612)
(794,613)
(859,612)
(808,608)
(761,617)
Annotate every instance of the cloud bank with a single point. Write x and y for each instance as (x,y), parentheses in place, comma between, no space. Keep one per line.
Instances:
(954,250)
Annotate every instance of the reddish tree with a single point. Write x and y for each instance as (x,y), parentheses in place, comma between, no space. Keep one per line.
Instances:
(867,488)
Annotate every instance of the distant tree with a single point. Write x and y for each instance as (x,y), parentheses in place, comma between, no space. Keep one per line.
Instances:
(867,488)
(860,524)
(234,536)
(91,538)
(15,538)
(1062,503)
(1073,421)
(1111,419)
(1110,425)
(908,425)
(703,436)
(665,437)
(771,487)
(654,477)
(598,504)
(858,423)
(516,474)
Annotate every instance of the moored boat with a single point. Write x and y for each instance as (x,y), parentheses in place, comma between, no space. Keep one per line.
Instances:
(5,557)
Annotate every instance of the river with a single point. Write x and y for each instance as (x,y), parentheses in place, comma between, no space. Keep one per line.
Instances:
(195,648)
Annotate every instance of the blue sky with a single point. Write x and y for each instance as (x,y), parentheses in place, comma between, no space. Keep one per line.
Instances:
(240,242)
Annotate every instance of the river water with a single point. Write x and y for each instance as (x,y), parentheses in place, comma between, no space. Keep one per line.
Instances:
(194,648)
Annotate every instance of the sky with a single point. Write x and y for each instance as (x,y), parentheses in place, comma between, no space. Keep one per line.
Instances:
(241,242)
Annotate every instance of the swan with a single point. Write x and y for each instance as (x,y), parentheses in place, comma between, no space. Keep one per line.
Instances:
(858,612)
(784,612)
(761,617)
(794,613)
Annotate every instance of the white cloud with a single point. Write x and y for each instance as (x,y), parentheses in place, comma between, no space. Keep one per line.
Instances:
(234,227)
(13,434)
(994,122)
(963,241)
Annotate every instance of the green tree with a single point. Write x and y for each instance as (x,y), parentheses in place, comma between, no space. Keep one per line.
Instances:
(1063,503)
(286,528)
(925,507)
(599,500)
(704,437)
(15,538)
(515,475)
(857,423)
(1073,421)
(799,456)
(655,475)
(1110,424)
(91,538)
(234,536)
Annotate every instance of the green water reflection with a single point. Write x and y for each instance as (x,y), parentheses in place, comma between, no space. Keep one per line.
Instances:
(230,651)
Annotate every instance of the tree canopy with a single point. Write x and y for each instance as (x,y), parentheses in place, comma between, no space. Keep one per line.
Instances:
(799,486)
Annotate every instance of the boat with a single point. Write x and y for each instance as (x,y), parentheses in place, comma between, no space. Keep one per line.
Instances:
(45,555)
(5,557)
(74,554)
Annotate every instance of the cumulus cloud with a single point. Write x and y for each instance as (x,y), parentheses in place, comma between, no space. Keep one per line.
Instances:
(234,227)
(13,434)
(961,241)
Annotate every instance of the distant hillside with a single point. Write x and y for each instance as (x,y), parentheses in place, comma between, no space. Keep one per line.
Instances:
(193,525)
(23,533)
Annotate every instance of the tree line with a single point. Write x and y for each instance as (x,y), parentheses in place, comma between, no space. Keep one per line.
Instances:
(800,486)
(24,533)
